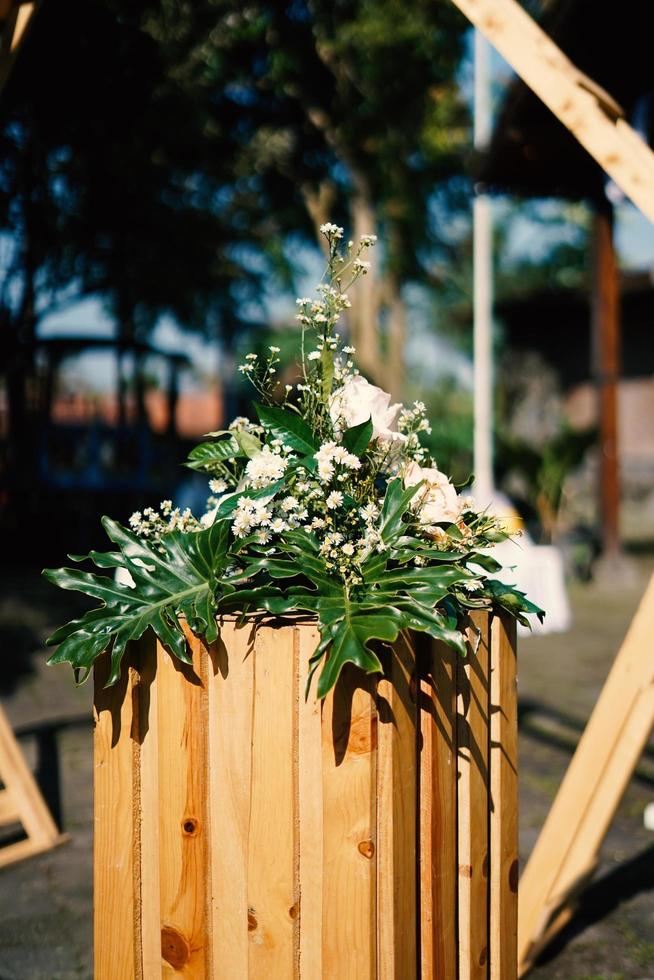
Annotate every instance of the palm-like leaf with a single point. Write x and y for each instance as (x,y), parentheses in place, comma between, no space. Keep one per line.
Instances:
(177,578)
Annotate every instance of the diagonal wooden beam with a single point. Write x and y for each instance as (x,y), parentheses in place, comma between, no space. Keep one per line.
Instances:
(566,854)
(590,114)
(16,17)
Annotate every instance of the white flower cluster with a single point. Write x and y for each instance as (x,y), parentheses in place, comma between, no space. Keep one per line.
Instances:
(330,230)
(322,313)
(153,525)
(330,456)
(265,517)
(414,419)
(243,424)
(266,467)
(411,422)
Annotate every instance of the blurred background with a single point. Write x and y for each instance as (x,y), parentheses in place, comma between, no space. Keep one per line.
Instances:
(164,170)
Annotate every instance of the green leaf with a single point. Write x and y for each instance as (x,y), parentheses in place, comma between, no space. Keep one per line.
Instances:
(348,627)
(396,504)
(229,501)
(327,364)
(249,444)
(436,576)
(486,562)
(431,621)
(205,455)
(514,601)
(289,427)
(357,439)
(176,578)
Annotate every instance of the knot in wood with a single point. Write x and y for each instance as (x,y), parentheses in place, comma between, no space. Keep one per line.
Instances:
(190,826)
(175,949)
(367,848)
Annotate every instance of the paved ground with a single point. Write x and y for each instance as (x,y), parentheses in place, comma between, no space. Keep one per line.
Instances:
(45,903)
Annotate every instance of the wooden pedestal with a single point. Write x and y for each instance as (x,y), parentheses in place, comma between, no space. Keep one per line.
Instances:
(241,832)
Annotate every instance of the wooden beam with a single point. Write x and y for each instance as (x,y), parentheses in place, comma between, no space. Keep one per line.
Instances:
(21,802)
(590,114)
(566,853)
(16,18)
(606,371)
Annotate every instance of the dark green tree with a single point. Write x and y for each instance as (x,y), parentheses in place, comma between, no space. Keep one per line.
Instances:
(353,107)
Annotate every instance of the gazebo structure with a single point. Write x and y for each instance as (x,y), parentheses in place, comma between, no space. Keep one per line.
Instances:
(533,154)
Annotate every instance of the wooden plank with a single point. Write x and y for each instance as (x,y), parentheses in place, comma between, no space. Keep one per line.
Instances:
(23,790)
(23,849)
(148,807)
(113,841)
(397,913)
(606,371)
(566,850)
(16,23)
(183,819)
(348,766)
(504,801)
(472,742)
(438,813)
(271,844)
(230,765)
(9,812)
(309,803)
(583,856)
(579,103)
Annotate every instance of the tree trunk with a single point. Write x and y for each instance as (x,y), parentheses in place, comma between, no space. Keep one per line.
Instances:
(319,203)
(396,336)
(364,317)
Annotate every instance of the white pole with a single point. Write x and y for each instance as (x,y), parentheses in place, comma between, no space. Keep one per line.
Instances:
(482,288)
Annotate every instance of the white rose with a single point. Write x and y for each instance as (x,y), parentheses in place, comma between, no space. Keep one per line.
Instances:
(357,401)
(437,500)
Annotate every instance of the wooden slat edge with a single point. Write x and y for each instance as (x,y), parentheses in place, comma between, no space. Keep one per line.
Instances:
(113,812)
(309,797)
(147,880)
(438,813)
(349,781)
(230,762)
(397,912)
(472,803)
(503,800)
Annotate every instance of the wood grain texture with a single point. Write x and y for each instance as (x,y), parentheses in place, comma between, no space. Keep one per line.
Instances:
(579,103)
(566,851)
(271,842)
(116,942)
(145,728)
(9,812)
(438,812)
(348,766)
(230,774)
(397,800)
(472,803)
(183,817)
(245,833)
(503,801)
(309,813)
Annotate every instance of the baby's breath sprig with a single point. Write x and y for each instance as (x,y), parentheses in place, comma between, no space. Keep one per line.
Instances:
(261,372)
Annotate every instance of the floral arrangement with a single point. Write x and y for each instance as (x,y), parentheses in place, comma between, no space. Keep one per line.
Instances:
(328,505)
